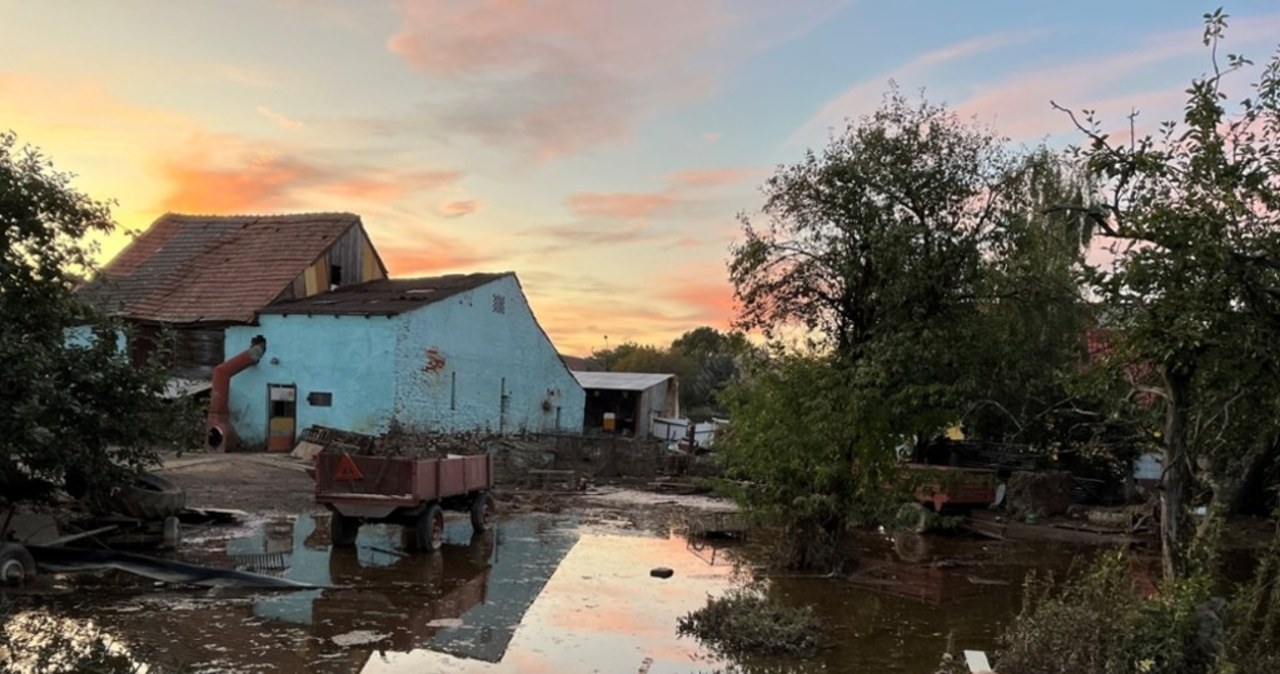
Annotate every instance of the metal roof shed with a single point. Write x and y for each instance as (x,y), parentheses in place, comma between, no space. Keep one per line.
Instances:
(635,398)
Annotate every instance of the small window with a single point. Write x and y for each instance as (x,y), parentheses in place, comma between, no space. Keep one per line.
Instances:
(320,399)
(499,304)
(335,275)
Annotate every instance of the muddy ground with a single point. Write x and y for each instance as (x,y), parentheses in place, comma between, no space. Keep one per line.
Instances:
(255,483)
(277,484)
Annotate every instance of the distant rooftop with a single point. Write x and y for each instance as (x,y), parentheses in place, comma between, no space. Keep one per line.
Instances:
(620,381)
(388,297)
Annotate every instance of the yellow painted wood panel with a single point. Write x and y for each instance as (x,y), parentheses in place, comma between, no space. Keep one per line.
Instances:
(370,270)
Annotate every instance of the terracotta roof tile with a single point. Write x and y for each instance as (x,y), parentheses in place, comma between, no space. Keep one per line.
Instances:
(193,268)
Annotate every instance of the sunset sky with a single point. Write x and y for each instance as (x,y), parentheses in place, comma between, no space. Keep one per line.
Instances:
(601,149)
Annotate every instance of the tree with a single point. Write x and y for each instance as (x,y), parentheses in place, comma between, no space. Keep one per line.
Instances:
(1194,289)
(796,457)
(905,250)
(71,401)
(717,359)
(704,361)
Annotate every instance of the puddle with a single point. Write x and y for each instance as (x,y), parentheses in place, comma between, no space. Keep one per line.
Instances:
(539,594)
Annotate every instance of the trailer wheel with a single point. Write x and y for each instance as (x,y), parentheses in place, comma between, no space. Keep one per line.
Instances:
(913,517)
(429,534)
(149,497)
(343,530)
(16,564)
(482,507)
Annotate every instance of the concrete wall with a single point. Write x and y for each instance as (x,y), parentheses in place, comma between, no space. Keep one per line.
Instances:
(457,358)
(352,357)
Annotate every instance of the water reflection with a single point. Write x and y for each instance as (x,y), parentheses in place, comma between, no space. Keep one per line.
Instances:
(540,594)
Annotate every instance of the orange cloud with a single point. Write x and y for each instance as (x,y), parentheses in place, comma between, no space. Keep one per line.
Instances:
(278,119)
(434,259)
(223,174)
(711,177)
(711,301)
(621,205)
(262,184)
(459,208)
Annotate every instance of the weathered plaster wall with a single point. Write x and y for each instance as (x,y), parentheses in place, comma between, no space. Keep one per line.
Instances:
(352,357)
(456,359)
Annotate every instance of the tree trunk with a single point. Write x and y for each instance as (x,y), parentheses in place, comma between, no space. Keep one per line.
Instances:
(1175,478)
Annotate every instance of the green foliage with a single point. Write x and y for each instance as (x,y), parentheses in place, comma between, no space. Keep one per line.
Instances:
(1194,293)
(704,361)
(1253,619)
(747,622)
(1099,624)
(64,405)
(794,459)
(915,253)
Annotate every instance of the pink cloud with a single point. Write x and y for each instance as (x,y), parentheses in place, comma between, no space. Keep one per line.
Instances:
(558,75)
(711,177)
(553,77)
(620,205)
(1019,106)
(864,96)
(459,208)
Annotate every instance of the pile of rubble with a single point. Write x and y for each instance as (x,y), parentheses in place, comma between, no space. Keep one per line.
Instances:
(396,443)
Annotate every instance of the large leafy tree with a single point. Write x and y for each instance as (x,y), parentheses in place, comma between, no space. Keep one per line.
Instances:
(71,402)
(1193,293)
(914,254)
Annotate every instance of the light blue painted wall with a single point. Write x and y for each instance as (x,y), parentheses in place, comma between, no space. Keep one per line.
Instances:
(352,357)
(455,357)
(408,366)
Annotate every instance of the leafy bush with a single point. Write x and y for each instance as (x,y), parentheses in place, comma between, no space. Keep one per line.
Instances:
(745,621)
(1253,621)
(1099,624)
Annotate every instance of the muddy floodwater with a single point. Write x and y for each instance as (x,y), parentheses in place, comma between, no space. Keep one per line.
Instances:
(540,593)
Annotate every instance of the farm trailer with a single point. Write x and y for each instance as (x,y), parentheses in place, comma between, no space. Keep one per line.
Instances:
(411,492)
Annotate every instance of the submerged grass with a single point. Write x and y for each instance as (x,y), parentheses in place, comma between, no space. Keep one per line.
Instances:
(747,622)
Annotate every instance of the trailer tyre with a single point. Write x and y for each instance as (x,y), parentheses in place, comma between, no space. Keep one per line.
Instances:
(16,564)
(482,508)
(149,497)
(429,534)
(343,530)
(913,517)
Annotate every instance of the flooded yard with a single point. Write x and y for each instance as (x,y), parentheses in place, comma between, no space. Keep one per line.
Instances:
(540,593)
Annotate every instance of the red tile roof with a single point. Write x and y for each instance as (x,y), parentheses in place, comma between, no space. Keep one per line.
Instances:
(195,268)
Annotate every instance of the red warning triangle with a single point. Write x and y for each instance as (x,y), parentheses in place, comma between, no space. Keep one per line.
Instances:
(347,470)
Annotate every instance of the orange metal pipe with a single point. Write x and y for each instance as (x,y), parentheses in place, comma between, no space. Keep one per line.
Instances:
(219,434)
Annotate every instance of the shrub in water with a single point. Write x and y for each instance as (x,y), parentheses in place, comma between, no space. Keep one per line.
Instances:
(745,621)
